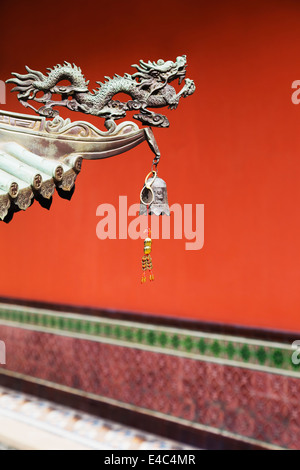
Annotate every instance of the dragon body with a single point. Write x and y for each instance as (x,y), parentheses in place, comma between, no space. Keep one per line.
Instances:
(149,87)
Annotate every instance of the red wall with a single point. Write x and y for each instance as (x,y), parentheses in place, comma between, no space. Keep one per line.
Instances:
(233,146)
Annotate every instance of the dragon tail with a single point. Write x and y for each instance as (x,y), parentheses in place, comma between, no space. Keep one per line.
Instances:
(26,84)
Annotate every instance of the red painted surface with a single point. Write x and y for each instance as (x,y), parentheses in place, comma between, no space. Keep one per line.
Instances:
(234,146)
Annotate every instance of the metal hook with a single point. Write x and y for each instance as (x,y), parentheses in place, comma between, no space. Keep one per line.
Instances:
(153,175)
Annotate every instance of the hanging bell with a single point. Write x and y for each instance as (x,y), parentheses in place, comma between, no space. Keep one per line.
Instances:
(154,197)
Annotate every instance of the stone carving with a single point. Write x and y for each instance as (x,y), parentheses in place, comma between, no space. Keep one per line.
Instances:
(24,199)
(4,205)
(47,189)
(148,88)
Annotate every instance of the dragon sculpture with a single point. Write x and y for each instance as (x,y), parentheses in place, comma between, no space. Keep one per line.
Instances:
(148,88)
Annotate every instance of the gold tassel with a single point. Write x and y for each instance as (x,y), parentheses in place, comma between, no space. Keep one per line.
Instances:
(147,260)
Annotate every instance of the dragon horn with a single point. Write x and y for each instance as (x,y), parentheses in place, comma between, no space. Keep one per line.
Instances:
(140,68)
(140,74)
(144,65)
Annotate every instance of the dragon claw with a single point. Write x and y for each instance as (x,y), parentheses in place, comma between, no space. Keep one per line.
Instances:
(189,88)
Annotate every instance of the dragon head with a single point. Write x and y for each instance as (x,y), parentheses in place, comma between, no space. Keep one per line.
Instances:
(161,71)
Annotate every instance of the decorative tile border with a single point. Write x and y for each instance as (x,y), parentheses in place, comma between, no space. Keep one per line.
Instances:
(223,349)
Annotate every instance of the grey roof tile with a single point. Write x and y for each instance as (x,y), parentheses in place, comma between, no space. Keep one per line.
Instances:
(39,156)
